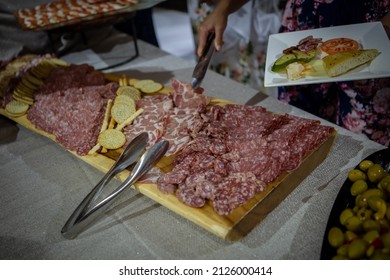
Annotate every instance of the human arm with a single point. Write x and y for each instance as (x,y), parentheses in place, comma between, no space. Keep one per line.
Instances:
(216,22)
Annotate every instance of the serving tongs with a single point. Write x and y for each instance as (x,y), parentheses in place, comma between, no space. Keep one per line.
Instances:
(203,62)
(89,210)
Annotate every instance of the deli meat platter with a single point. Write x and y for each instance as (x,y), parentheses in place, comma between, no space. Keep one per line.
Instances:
(220,172)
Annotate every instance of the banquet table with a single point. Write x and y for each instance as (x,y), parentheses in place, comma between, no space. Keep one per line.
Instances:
(41,184)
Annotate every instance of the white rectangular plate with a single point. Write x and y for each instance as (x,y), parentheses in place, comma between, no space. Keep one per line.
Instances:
(369,35)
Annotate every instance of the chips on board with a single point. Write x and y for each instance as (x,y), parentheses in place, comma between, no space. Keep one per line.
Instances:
(129,91)
(125,99)
(121,111)
(112,139)
(16,108)
(148,86)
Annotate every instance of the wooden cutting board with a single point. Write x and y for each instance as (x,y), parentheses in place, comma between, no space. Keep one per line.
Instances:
(231,227)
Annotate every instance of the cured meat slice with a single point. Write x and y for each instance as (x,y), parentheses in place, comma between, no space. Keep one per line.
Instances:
(185,97)
(245,148)
(74,115)
(179,124)
(153,120)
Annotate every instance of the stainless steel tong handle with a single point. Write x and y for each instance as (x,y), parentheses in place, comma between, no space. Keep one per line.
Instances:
(203,63)
(87,213)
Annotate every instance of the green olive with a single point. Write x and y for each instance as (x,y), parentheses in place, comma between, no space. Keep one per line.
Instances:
(345,215)
(371,225)
(350,236)
(364,213)
(343,250)
(379,205)
(388,213)
(371,236)
(336,237)
(339,257)
(360,202)
(356,174)
(365,164)
(359,187)
(372,192)
(386,240)
(354,224)
(380,255)
(384,184)
(375,173)
(357,249)
(370,251)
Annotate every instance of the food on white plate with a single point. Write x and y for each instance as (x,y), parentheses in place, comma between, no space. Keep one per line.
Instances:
(340,63)
(295,71)
(339,55)
(337,45)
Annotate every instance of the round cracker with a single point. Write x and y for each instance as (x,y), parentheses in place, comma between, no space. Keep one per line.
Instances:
(151,87)
(112,139)
(125,99)
(130,91)
(139,84)
(16,107)
(121,111)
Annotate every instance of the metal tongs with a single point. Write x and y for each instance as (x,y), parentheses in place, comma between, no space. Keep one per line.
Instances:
(203,62)
(89,210)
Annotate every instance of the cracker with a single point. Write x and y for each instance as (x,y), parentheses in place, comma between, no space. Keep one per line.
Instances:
(112,139)
(121,111)
(23,99)
(132,81)
(129,91)
(139,84)
(125,99)
(152,87)
(16,108)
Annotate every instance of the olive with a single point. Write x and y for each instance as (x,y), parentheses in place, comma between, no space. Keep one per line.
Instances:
(350,236)
(370,251)
(357,249)
(371,236)
(359,187)
(380,255)
(336,237)
(365,164)
(339,257)
(360,202)
(386,240)
(371,225)
(354,224)
(345,215)
(372,192)
(375,173)
(384,184)
(364,213)
(356,174)
(343,250)
(388,213)
(379,205)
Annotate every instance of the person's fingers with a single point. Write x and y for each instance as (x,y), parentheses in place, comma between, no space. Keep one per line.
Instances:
(202,39)
(218,41)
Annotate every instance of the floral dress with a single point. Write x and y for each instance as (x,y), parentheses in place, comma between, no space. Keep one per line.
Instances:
(360,106)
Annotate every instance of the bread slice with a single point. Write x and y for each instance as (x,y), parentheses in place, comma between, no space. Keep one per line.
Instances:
(342,62)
